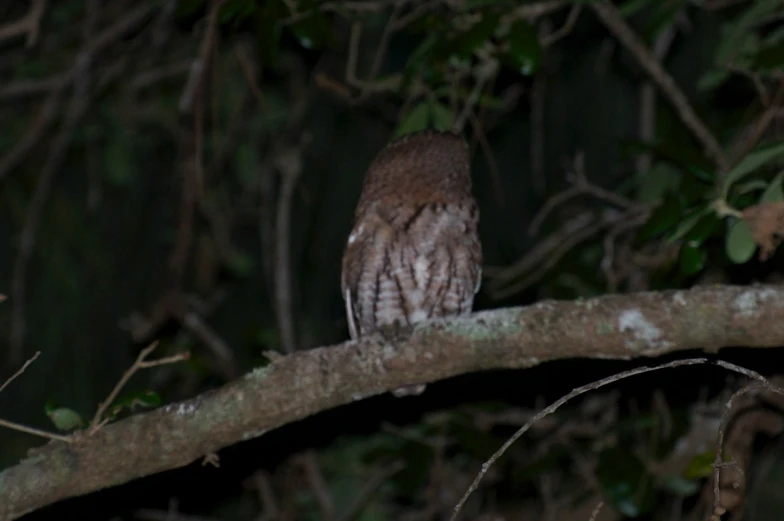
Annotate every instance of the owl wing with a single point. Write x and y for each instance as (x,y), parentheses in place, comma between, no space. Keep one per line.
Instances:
(448,265)
(348,285)
(409,270)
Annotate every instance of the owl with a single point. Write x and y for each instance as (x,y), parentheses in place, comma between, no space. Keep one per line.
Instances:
(413,252)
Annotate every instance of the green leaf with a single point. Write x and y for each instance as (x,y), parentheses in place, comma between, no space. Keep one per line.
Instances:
(236,11)
(679,485)
(625,481)
(707,224)
(630,7)
(417,119)
(420,59)
(688,222)
(751,186)
(658,181)
(700,466)
(64,419)
(739,39)
(692,258)
(130,402)
(712,79)
(140,399)
(314,31)
(739,244)
(680,155)
(770,58)
(774,192)
(753,161)
(661,18)
(476,36)
(442,116)
(663,218)
(524,47)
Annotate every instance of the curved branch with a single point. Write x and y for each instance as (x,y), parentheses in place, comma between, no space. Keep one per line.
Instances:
(304,383)
(613,20)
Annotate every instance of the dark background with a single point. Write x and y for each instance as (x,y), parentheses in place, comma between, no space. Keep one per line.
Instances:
(96,175)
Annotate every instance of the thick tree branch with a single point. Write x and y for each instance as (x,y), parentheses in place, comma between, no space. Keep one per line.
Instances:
(304,383)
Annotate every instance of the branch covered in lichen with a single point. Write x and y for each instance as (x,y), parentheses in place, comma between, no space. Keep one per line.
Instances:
(299,385)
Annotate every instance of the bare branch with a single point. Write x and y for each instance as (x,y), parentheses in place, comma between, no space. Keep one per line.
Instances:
(296,386)
(606,381)
(141,363)
(290,165)
(29,24)
(35,432)
(614,21)
(21,369)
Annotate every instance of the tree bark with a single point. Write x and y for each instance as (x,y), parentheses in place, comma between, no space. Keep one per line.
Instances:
(304,383)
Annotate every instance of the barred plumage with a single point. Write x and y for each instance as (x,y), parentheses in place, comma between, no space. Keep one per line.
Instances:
(414,250)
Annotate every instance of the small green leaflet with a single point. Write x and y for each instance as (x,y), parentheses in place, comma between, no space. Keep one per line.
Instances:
(774,192)
(425,115)
(417,119)
(752,161)
(688,223)
(700,466)
(524,47)
(64,419)
(145,399)
(692,258)
(739,244)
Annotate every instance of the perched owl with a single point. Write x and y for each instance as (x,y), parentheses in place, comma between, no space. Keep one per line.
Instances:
(414,251)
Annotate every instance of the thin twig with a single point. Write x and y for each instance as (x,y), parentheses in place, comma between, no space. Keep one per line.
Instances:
(29,24)
(35,432)
(565,29)
(758,382)
(554,407)
(140,363)
(487,150)
(319,487)
(366,86)
(21,369)
(248,69)
(536,10)
(484,72)
(596,511)
(744,146)
(381,49)
(225,356)
(555,248)
(648,100)
(580,185)
(290,166)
